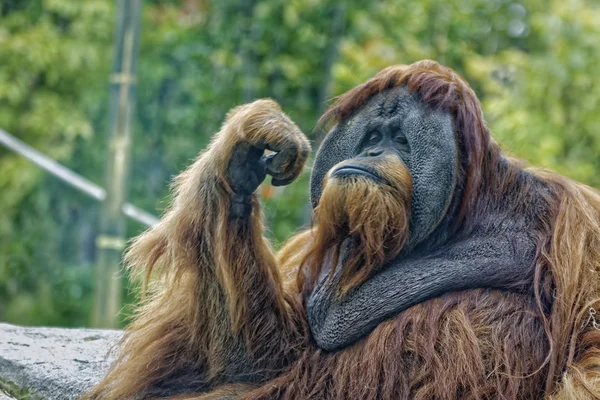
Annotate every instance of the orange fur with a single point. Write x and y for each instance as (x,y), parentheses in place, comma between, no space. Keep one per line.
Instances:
(374,216)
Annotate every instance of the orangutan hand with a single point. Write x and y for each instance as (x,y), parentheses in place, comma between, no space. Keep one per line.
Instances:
(262,126)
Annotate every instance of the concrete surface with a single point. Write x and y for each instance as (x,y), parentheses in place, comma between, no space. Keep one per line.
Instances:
(52,363)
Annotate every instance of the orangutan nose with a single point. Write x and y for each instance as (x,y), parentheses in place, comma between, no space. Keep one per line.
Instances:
(375,152)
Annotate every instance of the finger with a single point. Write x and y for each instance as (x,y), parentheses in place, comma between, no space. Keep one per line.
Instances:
(301,157)
(280,166)
(288,177)
(256,174)
(282,182)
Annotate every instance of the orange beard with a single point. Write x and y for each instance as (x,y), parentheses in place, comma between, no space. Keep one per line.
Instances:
(371,217)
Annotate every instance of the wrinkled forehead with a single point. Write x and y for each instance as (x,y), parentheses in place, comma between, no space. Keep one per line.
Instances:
(392,103)
(397,108)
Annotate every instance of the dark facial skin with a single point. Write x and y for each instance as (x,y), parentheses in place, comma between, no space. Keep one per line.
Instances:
(380,141)
(423,138)
(497,252)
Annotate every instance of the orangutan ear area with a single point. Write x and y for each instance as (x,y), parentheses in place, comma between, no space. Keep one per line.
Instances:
(486,290)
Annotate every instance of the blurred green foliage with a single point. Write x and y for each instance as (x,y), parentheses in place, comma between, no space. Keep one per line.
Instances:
(534,64)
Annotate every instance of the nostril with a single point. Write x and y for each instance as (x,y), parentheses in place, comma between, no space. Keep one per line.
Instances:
(375,152)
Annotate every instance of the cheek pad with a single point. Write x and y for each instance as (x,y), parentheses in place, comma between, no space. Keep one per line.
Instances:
(433,166)
(334,149)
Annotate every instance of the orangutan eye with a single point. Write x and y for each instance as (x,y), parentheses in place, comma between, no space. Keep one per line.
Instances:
(401,140)
(374,138)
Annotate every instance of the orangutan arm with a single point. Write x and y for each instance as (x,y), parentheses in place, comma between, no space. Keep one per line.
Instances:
(479,262)
(217,312)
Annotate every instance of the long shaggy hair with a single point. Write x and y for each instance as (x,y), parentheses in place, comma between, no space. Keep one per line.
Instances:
(202,320)
(476,344)
(367,217)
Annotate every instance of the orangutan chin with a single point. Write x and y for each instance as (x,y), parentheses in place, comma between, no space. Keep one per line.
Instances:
(435,268)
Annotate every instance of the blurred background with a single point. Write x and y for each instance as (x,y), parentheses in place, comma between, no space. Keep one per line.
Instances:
(534,64)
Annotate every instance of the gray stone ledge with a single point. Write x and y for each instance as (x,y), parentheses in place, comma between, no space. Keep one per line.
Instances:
(4,396)
(52,363)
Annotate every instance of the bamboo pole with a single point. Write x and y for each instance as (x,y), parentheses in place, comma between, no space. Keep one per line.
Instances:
(110,242)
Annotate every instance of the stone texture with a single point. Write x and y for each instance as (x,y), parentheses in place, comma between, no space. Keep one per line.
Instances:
(52,363)
(4,396)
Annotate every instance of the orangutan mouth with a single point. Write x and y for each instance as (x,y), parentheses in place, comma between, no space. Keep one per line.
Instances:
(353,170)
